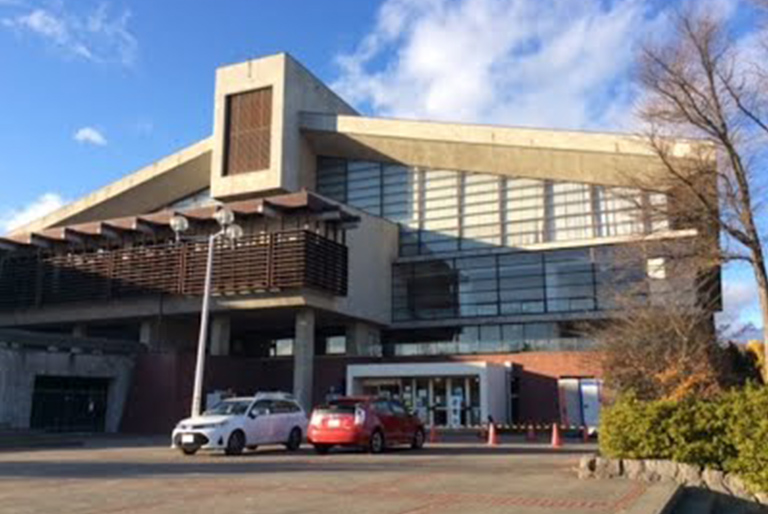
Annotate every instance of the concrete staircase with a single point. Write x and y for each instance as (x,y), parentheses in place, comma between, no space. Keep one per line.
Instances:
(693,500)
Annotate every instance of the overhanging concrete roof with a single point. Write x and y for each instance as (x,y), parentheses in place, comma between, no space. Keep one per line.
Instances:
(150,188)
(591,157)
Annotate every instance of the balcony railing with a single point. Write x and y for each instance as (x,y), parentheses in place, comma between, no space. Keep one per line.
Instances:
(265,262)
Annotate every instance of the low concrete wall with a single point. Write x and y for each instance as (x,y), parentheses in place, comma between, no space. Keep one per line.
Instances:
(655,470)
(20,366)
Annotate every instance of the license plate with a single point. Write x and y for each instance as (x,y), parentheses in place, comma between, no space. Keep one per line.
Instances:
(187,438)
(334,423)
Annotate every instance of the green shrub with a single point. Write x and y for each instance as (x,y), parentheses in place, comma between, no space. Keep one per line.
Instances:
(748,431)
(636,429)
(728,432)
(698,430)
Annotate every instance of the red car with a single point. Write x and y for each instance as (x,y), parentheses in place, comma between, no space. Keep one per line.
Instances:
(369,423)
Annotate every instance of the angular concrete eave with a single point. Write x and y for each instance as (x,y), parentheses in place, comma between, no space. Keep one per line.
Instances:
(148,189)
(591,157)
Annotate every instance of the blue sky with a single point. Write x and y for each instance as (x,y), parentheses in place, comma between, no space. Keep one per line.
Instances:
(92,90)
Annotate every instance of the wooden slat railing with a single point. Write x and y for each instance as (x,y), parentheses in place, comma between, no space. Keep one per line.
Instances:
(267,262)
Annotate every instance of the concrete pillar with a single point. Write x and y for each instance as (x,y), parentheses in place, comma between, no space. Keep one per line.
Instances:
(220,335)
(363,340)
(80,330)
(303,357)
(149,333)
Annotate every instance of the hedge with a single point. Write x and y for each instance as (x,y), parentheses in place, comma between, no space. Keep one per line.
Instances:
(728,432)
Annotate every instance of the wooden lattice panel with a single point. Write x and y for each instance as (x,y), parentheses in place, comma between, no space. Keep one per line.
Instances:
(247,136)
(292,259)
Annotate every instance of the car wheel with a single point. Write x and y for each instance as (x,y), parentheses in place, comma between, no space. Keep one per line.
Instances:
(189,450)
(377,443)
(294,440)
(322,449)
(418,439)
(235,443)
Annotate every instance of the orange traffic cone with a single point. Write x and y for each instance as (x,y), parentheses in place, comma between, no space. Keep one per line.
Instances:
(585,434)
(531,434)
(556,442)
(493,437)
(432,434)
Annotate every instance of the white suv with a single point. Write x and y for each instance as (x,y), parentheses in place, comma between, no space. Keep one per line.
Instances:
(238,423)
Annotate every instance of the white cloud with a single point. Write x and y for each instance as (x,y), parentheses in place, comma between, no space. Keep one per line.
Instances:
(95,36)
(41,206)
(91,136)
(547,63)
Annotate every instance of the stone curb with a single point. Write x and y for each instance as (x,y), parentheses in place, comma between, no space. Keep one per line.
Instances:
(656,470)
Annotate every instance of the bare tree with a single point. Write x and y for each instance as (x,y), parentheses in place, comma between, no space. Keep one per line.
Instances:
(703,85)
(660,340)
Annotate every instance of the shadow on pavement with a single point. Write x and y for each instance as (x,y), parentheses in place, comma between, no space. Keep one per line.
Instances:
(267,460)
(695,500)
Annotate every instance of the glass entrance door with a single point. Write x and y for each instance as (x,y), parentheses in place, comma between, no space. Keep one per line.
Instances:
(441,401)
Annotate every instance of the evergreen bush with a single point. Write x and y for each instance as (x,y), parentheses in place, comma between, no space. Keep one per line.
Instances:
(728,432)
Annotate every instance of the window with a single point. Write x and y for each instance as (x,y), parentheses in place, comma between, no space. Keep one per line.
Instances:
(657,269)
(507,284)
(282,348)
(480,217)
(398,409)
(382,407)
(524,212)
(442,211)
(285,407)
(620,211)
(335,345)
(262,408)
(571,211)
(479,339)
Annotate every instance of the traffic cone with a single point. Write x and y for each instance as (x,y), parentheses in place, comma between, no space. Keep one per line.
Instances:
(531,434)
(493,437)
(556,442)
(432,434)
(585,434)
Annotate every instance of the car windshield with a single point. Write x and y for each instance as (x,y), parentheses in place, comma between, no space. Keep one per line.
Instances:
(229,407)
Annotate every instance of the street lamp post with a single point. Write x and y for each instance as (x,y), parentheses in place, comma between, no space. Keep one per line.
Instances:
(228,229)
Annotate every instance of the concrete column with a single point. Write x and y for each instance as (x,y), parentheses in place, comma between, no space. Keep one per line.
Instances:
(303,357)
(148,332)
(80,330)
(220,335)
(362,339)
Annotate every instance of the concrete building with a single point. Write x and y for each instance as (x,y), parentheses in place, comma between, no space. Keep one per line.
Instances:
(449,265)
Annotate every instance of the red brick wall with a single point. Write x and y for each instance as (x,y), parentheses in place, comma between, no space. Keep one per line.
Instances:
(161,391)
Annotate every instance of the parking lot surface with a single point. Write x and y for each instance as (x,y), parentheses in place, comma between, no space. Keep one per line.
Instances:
(126,476)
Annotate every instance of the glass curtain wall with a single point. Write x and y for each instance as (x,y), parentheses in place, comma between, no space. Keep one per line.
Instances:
(443,211)
(515,283)
(482,339)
